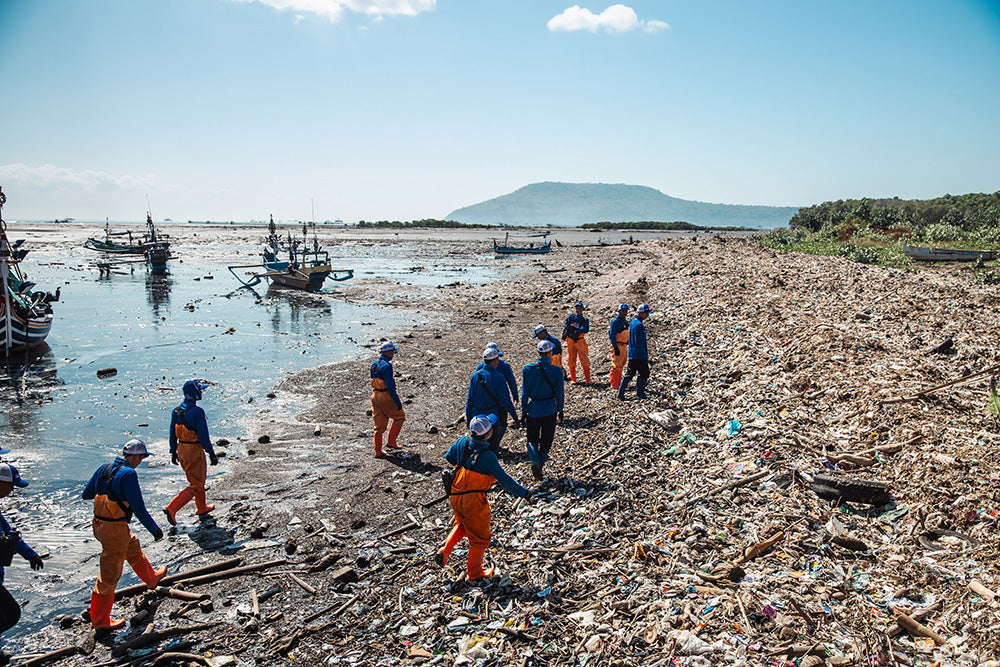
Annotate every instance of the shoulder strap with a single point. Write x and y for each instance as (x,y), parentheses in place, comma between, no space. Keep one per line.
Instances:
(482,381)
(108,472)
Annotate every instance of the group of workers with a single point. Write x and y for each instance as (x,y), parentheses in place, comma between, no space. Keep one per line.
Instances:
(492,399)
(114,488)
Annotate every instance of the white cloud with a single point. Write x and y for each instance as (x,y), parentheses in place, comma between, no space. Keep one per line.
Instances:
(334,9)
(50,177)
(616,18)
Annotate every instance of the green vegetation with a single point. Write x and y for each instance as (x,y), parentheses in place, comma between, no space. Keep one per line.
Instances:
(873,231)
(660,226)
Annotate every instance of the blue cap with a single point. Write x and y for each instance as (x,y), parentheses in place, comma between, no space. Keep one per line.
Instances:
(539,329)
(579,303)
(4,450)
(8,473)
(644,308)
(624,306)
(192,389)
(495,347)
(387,347)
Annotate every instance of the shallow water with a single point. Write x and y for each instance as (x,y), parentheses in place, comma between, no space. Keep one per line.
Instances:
(62,421)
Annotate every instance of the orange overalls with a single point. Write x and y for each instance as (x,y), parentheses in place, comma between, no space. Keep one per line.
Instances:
(194,462)
(619,360)
(579,348)
(110,524)
(472,518)
(384,409)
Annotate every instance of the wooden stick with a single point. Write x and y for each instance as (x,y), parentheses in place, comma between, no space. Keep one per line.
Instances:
(918,615)
(180,576)
(306,587)
(401,529)
(255,603)
(930,390)
(313,617)
(235,572)
(57,654)
(151,637)
(182,595)
(916,628)
(724,487)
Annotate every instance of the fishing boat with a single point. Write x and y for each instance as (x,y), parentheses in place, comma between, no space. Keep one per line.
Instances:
(530,249)
(304,269)
(25,315)
(149,242)
(947,254)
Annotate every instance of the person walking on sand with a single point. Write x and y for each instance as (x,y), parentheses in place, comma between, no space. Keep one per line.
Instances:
(10,544)
(385,401)
(619,345)
(542,401)
(506,371)
(477,469)
(189,443)
(638,354)
(114,488)
(541,333)
(575,337)
(489,395)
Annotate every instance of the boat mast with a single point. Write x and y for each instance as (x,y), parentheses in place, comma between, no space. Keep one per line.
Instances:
(4,271)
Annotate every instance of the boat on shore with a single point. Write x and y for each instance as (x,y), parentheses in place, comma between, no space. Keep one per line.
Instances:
(154,246)
(921,254)
(25,314)
(529,249)
(304,269)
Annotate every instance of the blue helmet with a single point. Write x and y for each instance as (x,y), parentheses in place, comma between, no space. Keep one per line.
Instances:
(192,390)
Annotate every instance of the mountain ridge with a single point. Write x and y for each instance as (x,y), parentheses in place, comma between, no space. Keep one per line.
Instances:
(573,204)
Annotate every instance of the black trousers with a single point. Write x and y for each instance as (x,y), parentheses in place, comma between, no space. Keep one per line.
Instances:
(10,611)
(541,431)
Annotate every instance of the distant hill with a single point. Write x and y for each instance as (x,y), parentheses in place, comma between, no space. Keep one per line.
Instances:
(573,204)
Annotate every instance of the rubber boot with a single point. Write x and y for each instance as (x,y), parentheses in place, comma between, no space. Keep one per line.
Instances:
(623,387)
(200,506)
(454,537)
(586,374)
(378,446)
(100,612)
(145,571)
(474,570)
(640,387)
(616,379)
(174,506)
(572,375)
(393,434)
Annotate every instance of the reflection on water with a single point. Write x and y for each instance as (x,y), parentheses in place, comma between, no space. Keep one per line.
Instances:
(158,294)
(28,380)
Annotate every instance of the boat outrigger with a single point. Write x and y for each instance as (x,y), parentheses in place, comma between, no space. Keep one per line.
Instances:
(304,269)
(25,315)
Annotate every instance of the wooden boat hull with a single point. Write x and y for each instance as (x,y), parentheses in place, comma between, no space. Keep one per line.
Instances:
(920,254)
(309,278)
(23,333)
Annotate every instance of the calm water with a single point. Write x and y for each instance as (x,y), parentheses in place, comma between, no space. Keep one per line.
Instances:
(62,421)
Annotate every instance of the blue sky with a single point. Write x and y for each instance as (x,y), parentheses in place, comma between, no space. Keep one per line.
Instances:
(408,109)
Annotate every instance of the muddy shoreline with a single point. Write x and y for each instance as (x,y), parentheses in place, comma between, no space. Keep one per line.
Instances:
(797,350)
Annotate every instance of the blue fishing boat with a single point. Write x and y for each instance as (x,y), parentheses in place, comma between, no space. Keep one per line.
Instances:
(529,249)
(292,264)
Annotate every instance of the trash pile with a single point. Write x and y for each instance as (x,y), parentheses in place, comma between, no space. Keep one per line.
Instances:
(813,482)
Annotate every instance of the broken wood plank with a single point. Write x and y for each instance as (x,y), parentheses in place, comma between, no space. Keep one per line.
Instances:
(180,576)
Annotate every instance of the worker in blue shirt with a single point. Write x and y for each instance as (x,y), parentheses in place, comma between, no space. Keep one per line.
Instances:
(506,370)
(541,333)
(114,488)
(477,469)
(10,610)
(189,443)
(541,401)
(490,395)
(638,354)
(386,404)
(619,345)
(575,337)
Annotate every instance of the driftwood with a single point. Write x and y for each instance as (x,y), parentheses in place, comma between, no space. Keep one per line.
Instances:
(58,654)
(342,607)
(918,615)
(235,572)
(401,529)
(306,587)
(178,594)
(153,636)
(180,576)
(724,487)
(930,390)
(917,628)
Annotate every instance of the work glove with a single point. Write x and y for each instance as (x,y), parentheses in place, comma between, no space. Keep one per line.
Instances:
(158,535)
(173,458)
(213,459)
(561,416)
(36,562)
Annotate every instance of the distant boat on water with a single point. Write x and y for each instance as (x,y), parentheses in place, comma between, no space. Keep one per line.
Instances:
(25,315)
(303,269)
(920,254)
(154,247)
